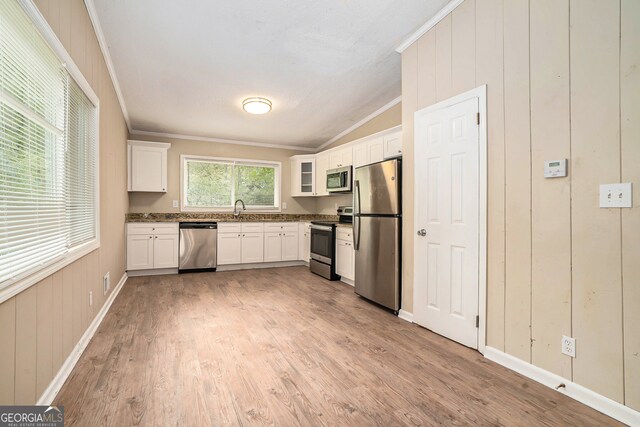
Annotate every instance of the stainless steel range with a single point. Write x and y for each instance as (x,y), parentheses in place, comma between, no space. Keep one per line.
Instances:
(323,244)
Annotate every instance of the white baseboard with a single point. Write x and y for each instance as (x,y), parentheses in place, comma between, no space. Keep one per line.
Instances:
(580,393)
(65,370)
(233,267)
(156,272)
(405,315)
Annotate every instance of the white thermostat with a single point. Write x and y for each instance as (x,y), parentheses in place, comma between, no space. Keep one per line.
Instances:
(555,168)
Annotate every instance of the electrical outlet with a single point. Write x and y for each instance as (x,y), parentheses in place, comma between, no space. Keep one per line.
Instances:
(568,346)
(284,206)
(106,283)
(176,204)
(90,298)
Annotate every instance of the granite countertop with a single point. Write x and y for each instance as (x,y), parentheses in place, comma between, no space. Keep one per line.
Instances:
(226,217)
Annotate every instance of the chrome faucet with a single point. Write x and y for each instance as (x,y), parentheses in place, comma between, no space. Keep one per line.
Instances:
(236,211)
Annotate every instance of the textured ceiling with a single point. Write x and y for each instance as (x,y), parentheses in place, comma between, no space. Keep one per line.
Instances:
(184,67)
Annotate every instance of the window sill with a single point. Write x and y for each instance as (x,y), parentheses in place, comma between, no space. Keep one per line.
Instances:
(47,270)
(228,211)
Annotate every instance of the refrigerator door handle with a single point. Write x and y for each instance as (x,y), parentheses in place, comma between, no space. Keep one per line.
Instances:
(356,231)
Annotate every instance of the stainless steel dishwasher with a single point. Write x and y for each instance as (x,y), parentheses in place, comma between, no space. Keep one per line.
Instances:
(198,246)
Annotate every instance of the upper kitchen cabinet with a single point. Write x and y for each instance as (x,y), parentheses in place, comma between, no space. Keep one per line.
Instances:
(341,157)
(322,166)
(147,162)
(392,144)
(303,176)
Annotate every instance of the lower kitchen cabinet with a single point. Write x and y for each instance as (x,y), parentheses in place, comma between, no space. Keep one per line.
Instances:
(345,255)
(229,248)
(152,246)
(281,246)
(239,247)
(304,241)
(252,248)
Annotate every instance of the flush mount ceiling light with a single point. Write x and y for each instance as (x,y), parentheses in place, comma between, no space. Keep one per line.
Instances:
(256,105)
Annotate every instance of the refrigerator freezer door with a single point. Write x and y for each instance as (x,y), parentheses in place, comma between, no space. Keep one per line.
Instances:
(378,260)
(378,189)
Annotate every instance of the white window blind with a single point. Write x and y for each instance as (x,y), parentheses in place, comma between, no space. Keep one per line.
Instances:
(47,152)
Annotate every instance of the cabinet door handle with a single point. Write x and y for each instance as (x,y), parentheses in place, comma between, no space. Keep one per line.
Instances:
(151,237)
(156,237)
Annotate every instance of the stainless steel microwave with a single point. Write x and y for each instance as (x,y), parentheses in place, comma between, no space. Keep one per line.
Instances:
(339,180)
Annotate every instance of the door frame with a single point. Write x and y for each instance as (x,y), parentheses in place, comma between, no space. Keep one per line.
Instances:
(481,94)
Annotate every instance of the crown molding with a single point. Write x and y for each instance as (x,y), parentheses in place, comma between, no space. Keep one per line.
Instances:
(97,28)
(219,140)
(447,9)
(355,126)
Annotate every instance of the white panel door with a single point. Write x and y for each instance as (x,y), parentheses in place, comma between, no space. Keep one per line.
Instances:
(139,252)
(272,247)
(290,246)
(165,251)
(252,247)
(447,217)
(229,248)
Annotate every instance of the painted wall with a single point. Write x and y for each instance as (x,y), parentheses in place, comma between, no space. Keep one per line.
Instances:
(163,202)
(40,326)
(391,118)
(563,82)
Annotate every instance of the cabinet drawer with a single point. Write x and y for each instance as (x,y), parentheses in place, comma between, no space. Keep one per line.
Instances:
(280,226)
(343,233)
(229,227)
(159,228)
(252,227)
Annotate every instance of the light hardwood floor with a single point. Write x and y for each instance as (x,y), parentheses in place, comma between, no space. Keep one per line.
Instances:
(285,347)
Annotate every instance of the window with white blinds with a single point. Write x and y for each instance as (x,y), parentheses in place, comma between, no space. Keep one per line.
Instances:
(48,147)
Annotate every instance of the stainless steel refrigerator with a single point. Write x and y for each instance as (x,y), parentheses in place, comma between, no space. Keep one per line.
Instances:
(377,227)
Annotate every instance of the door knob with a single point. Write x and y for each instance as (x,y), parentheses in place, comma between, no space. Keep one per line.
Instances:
(422,232)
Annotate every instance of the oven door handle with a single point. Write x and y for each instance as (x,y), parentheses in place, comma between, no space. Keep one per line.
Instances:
(321,227)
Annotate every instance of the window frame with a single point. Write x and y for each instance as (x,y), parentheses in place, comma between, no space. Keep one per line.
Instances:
(184,158)
(37,274)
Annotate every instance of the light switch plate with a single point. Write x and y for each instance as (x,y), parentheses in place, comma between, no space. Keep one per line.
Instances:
(616,195)
(176,204)
(284,206)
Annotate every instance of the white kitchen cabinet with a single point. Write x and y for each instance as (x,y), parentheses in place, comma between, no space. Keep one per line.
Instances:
(360,155)
(152,246)
(229,248)
(165,251)
(345,255)
(340,158)
(290,246)
(376,150)
(252,247)
(303,176)
(272,246)
(322,165)
(147,164)
(392,145)
(240,243)
(140,252)
(304,241)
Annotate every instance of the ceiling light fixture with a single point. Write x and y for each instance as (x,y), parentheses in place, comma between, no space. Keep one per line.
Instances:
(256,105)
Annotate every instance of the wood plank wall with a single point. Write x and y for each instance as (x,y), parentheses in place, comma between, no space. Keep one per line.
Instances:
(40,326)
(563,80)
